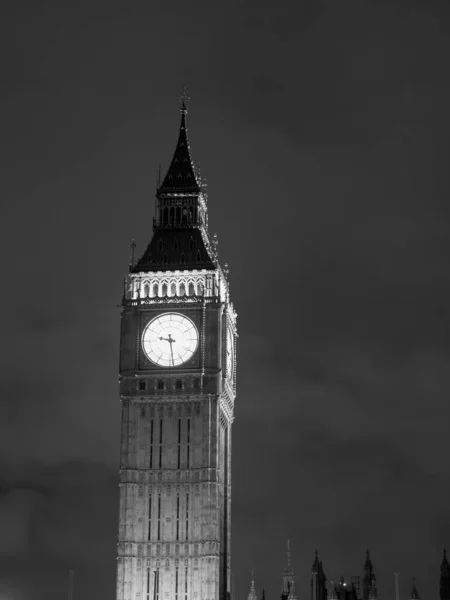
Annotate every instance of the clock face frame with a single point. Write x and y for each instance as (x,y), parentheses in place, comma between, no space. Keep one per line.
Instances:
(170,339)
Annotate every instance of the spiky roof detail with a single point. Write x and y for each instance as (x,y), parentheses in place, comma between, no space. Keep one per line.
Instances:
(180,177)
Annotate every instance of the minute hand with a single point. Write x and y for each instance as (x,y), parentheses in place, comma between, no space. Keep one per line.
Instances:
(171,341)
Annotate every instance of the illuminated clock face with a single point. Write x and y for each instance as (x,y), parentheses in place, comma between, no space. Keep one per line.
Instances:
(230,352)
(170,340)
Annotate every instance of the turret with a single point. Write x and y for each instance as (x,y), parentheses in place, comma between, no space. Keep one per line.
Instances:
(180,224)
(252,593)
(288,584)
(369,579)
(373,592)
(318,580)
(444,584)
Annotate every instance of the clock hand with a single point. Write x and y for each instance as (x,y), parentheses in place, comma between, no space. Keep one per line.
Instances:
(171,341)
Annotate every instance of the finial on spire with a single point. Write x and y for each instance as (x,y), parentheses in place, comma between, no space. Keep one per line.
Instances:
(133,248)
(183,99)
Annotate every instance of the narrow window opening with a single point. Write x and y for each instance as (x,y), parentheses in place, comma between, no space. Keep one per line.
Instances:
(182,288)
(160,442)
(151,444)
(160,245)
(159,517)
(187,516)
(185,583)
(160,384)
(179,443)
(183,258)
(188,444)
(176,584)
(142,385)
(191,243)
(148,584)
(173,289)
(178,517)
(196,383)
(146,290)
(149,518)
(156,584)
(179,384)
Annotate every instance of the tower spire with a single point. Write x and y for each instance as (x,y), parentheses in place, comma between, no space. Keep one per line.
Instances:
(252,593)
(183,99)
(318,579)
(288,586)
(180,177)
(181,219)
(369,579)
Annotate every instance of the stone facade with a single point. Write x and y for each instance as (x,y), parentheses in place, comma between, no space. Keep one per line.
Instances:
(175,456)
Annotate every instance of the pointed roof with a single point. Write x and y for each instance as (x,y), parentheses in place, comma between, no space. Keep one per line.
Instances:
(369,577)
(368,567)
(445,567)
(252,593)
(169,251)
(180,176)
(288,568)
(288,574)
(414,593)
(316,564)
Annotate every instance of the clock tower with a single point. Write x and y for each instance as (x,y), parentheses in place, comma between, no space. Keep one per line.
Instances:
(177,390)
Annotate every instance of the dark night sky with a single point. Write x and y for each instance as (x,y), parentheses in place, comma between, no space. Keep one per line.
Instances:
(323,130)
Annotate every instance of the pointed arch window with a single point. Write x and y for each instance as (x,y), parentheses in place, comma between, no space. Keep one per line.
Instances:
(165,259)
(182,289)
(154,290)
(146,290)
(185,215)
(191,243)
(191,289)
(173,289)
(160,245)
(200,289)
(199,256)
(164,289)
(183,258)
